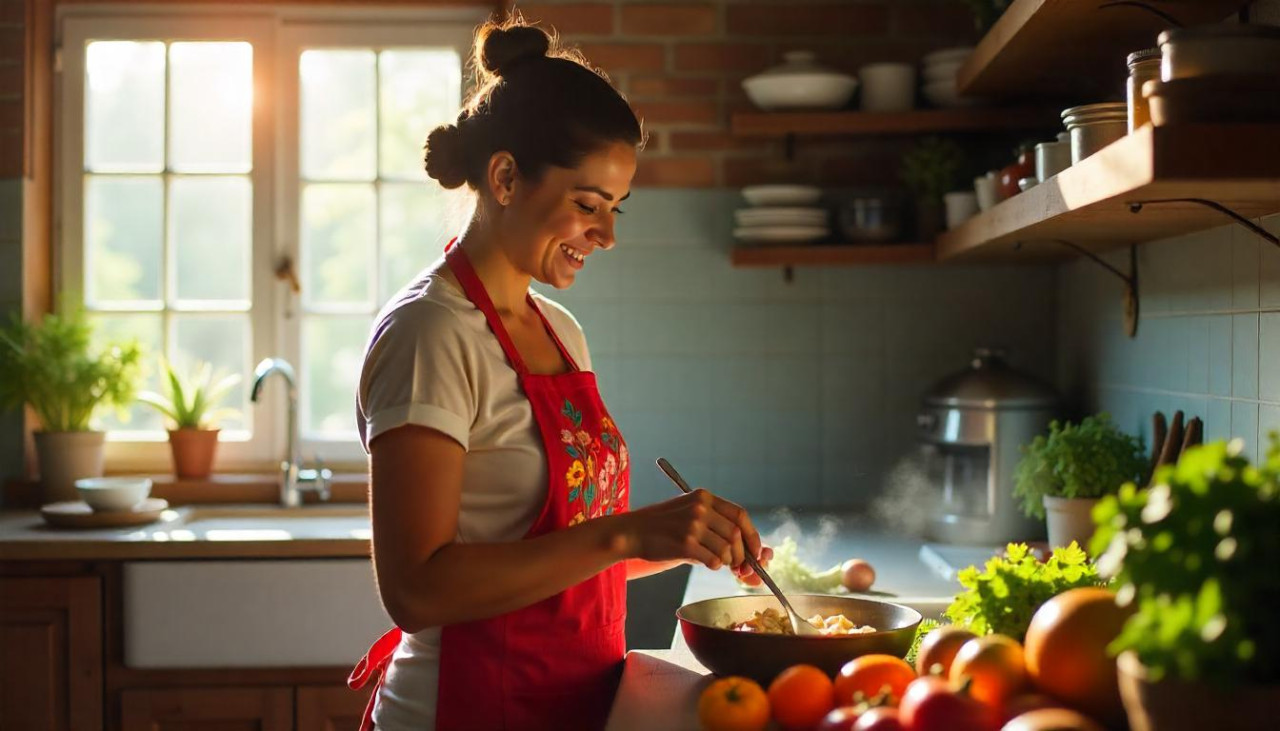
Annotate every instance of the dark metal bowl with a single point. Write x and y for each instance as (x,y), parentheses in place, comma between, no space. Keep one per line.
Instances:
(761,657)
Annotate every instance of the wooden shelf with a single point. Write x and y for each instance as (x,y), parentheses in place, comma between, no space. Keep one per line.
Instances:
(968,119)
(832,255)
(1237,165)
(1051,47)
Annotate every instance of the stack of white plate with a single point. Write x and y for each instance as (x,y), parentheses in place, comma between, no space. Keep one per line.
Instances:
(781,214)
(939,70)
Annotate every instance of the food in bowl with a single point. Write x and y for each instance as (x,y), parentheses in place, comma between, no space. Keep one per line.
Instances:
(105,494)
(772,622)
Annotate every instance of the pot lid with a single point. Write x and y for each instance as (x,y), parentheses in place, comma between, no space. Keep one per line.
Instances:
(990,383)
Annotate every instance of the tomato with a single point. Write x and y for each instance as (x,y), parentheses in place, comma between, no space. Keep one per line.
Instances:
(1067,650)
(996,667)
(931,704)
(800,696)
(1026,703)
(880,719)
(939,647)
(840,719)
(733,704)
(1052,719)
(872,674)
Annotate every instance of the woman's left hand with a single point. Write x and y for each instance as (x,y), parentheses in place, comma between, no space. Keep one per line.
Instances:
(747,575)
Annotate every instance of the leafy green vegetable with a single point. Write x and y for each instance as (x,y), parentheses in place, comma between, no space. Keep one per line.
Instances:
(188,400)
(792,574)
(54,366)
(926,626)
(1197,552)
(1002,598)
(1085,460)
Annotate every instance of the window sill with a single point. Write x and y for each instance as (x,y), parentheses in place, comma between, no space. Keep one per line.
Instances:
(238,488)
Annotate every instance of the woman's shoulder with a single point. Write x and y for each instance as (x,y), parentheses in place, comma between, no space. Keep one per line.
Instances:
(429,305)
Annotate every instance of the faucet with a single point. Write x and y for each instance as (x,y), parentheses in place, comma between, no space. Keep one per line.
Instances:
(292,474)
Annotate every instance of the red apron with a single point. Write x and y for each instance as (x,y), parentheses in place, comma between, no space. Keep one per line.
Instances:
(555,664)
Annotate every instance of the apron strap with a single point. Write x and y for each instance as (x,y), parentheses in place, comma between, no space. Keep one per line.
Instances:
(474,289)
(374,663)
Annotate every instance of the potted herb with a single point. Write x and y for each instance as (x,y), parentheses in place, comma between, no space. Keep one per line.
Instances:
(931,169)
(189,403)
(54,366)
(1196,554)
(986,12)
(1062,475)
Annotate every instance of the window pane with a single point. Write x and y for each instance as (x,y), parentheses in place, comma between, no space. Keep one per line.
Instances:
(124,106)
(210,109)
(339,230)
(222,340)
(122,237)
(147,330)
(332,353)
(413,232)
(338,115)
(211,224)
(419,90)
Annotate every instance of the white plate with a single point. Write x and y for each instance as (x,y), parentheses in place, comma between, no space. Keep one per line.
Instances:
(763,215)
(783,220)
(781,234)
(947,54)
(941,72)
(782,195)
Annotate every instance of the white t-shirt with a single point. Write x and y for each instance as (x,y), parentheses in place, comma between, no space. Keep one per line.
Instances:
(433,361)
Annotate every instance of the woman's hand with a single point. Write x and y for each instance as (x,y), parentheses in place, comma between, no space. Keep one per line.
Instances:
(698,527)
(747,575)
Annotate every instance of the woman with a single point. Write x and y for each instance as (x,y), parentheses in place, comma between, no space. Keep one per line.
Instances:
(499,484)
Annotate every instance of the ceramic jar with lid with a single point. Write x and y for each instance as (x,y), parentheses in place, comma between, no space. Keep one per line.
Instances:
(1094,126)
(800,83)
(1053,157)
(1144,66)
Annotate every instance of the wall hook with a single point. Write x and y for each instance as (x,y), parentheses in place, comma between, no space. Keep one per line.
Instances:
(1136,207)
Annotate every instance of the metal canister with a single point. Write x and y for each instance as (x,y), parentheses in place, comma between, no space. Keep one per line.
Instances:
(1144,66)
(1094,126)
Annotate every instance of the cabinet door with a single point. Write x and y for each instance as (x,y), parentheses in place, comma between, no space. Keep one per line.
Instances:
(331,707)
(51,666)
(207,709)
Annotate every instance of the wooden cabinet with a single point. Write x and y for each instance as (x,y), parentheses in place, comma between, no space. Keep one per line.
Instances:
(51,666)
(331,707)
(224,709)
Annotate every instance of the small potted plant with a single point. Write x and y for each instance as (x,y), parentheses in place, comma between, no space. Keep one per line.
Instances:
(1062,475)
(930,170)
(54,366)
(189,402)
(1196,554)
(986,12)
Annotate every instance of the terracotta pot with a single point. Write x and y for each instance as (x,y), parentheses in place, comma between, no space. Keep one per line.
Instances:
(929,219)
(1178,705)
(1069,519)
(193,452)
(65,457)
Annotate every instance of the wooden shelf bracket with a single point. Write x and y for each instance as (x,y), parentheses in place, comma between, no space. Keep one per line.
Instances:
(1130,280)
(1136,207)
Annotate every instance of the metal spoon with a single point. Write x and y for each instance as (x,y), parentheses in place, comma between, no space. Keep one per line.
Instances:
(799,625)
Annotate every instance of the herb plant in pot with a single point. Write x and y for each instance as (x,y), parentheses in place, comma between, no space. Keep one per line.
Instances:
(1062,475)
(1196,555)
(189,402)
(54,366)
(930,170)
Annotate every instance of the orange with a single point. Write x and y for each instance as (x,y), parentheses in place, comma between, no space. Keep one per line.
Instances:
(1067,650)
(939,647)
(800,696)
(871,674)
(995,666)
(733,704)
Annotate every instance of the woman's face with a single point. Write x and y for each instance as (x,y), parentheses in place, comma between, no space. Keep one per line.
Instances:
(570,213)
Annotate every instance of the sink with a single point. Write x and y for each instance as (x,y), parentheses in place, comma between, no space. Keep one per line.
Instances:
(218,523)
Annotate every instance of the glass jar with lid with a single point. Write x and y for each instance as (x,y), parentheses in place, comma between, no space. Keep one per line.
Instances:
(1144,66)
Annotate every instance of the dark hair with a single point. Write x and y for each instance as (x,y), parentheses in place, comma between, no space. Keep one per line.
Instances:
(544,104)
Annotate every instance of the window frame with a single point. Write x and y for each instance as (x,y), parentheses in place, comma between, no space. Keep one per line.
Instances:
(278,36)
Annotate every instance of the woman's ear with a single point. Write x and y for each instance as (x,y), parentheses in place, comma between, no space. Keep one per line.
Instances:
(501,176)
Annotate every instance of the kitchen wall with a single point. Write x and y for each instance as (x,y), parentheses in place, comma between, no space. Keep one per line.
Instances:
(11,450)
(1208,339)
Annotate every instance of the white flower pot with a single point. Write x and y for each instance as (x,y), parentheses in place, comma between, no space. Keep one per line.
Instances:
(1069,519)
(65,457)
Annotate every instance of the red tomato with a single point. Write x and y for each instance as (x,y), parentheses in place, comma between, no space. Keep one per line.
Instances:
(931,704)
(880,719)
(840,719)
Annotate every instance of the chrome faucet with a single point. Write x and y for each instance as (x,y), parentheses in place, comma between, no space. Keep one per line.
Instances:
(292,475)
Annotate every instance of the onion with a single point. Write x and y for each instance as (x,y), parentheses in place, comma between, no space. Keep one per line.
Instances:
(857,575)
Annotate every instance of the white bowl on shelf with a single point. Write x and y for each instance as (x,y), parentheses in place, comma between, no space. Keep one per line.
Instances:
(105,494)
(781,234)
(948,55)
(799,83)
(781,217)
(782,195)
(888,87)
(942,71)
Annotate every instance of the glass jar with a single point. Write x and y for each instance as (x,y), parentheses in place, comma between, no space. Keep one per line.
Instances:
(1144,66)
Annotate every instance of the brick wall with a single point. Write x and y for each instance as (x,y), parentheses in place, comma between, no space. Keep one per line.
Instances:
(12,50)
(682,63)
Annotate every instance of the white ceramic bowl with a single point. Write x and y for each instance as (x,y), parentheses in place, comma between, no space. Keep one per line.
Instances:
(818,90)
(942,71)
(946,55)
(113,493)
(782,195)
(888,87)
(780,216)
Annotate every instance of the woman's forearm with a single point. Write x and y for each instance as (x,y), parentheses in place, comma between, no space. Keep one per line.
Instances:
(639,568)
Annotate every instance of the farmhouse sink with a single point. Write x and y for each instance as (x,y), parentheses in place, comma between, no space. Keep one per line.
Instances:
(256,523)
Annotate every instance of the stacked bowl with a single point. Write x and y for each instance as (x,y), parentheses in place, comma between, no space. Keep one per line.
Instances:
(939,70)
(781,214)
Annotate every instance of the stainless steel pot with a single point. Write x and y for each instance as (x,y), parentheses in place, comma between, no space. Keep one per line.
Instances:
(761,657)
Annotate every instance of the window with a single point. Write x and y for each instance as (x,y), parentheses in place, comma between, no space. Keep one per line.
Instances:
(197,153)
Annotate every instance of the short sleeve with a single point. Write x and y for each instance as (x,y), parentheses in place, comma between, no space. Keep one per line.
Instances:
(417,371)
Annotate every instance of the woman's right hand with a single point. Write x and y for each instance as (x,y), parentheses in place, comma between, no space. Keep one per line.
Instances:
(698,527)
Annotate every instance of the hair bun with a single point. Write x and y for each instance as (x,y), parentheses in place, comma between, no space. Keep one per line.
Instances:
(446,156)
(501,47)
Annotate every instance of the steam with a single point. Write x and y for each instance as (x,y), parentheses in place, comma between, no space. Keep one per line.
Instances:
(808,543)
(910,498)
